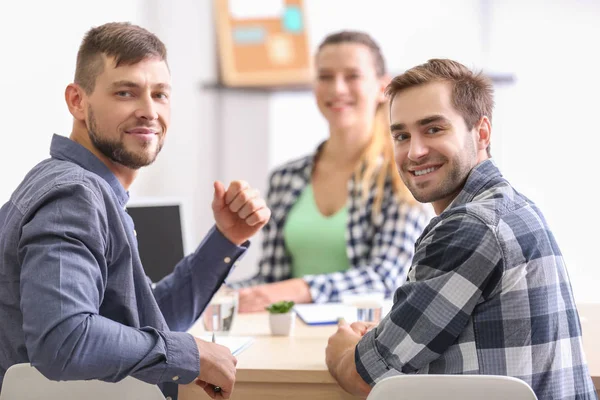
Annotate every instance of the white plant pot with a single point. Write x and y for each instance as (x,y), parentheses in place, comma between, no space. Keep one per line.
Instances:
(282,324)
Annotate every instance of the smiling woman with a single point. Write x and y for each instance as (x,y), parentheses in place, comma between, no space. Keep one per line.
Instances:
(342,219)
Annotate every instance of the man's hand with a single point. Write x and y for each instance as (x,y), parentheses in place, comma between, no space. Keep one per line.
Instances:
(256,298)
(339,357)
(361,327)
(217,368)
(239,211)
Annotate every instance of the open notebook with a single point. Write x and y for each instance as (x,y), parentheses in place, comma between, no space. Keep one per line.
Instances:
(236,344)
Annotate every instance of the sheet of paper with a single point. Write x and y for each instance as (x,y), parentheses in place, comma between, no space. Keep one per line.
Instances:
(236,344)
(261,9)
(325,314)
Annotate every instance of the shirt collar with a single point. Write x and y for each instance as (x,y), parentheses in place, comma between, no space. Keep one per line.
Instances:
(478,178)
(65,149)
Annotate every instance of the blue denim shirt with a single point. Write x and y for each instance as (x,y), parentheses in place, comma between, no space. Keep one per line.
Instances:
(74,299)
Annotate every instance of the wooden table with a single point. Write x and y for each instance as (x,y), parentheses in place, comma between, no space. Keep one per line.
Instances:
(293,367)
(286,367)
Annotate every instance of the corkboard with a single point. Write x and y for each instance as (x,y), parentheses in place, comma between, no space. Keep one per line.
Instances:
(263,43)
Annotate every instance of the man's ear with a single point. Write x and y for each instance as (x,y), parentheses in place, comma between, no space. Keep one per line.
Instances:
(76,101)
(484,133)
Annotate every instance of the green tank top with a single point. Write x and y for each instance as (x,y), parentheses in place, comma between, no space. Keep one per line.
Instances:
(316,243)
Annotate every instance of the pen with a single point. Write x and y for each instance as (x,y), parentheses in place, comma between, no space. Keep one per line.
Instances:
(216,389)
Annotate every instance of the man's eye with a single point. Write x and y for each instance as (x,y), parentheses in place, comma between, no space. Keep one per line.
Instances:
(399,137)
(123,93)
(433,130)
(163,96)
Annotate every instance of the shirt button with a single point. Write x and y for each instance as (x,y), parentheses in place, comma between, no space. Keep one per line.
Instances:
(134,233)
(175,378)
(227,260)
(169,398)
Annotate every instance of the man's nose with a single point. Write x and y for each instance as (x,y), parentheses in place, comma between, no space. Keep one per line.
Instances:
(418,148)
(146,109)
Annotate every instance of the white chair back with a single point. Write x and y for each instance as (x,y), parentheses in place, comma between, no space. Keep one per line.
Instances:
(463,387)
(24,382)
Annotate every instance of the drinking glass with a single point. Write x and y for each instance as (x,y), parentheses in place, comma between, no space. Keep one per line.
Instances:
(368,305)
(219,315)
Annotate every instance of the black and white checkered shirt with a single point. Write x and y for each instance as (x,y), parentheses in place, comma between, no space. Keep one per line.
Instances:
(488,293)
(379,250)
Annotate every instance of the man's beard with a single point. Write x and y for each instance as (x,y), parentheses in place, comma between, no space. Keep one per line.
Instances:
(115,149)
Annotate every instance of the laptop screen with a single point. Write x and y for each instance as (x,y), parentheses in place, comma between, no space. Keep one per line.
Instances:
(160,237)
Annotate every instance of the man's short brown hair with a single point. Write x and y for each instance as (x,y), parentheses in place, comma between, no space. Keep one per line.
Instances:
(127,43)
(472,93)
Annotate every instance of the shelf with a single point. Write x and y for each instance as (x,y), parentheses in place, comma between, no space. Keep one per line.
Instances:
(497,79)
(256,89)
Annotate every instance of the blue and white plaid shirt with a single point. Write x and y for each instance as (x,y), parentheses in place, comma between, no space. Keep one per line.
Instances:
(379,251)
(488,293)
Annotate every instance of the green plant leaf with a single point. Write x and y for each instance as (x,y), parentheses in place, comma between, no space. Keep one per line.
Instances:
(280,307)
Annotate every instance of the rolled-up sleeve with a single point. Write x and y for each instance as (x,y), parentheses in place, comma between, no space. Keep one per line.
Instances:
(63,281)
(452,267)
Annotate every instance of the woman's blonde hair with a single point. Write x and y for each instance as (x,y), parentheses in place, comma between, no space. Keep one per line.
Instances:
(377,161)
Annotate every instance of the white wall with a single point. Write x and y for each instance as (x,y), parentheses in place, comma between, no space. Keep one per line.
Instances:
(38,42)
(548,134)
(542,139)
(408,31)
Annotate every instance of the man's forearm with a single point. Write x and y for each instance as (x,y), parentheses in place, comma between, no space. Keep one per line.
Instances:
(183,295)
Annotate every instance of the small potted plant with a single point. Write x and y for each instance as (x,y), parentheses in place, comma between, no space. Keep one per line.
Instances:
(282,317)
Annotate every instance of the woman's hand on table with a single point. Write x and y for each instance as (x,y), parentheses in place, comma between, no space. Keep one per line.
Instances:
(257,298)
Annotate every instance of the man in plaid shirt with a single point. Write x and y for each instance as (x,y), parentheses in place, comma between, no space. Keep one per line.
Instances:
(488,291)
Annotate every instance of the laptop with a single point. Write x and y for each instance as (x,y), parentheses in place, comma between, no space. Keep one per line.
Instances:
(158,226)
